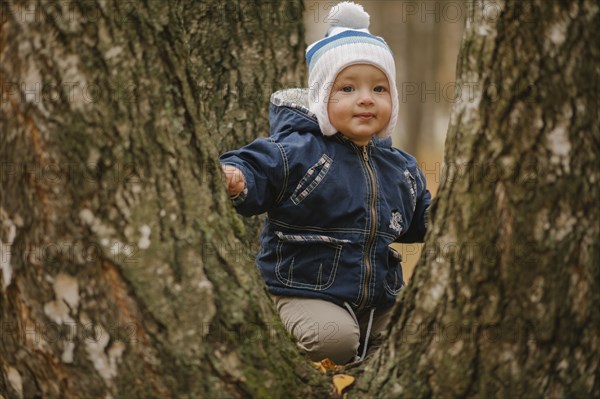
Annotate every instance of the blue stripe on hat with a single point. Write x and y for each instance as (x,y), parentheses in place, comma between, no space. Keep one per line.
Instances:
(346,37)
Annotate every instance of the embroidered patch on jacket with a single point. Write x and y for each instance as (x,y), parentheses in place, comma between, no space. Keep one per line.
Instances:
(413,187)
(396,222)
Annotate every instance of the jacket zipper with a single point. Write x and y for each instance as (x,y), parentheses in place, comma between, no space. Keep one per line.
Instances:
(372,230)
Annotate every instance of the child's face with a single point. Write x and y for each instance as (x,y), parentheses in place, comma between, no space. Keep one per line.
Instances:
(360,104)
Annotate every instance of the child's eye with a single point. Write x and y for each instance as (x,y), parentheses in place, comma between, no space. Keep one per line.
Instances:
(347,89)
(379,89)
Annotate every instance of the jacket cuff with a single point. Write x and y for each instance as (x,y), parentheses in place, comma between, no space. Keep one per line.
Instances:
(240,198)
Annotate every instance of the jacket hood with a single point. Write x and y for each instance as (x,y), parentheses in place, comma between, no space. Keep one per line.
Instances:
(288,110)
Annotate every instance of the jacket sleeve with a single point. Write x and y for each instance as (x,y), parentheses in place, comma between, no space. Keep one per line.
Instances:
(263,163)
(418,226)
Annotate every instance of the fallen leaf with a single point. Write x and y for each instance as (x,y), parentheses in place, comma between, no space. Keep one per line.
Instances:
(342,381)
(328,364)
(319,367)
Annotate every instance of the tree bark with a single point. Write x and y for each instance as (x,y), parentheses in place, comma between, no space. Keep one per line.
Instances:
(504,302)
(125,272)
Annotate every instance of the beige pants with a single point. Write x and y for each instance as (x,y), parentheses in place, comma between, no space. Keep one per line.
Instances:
(326,330)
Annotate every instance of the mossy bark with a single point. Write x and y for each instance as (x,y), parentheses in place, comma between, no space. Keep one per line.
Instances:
(125,271)
(504,302)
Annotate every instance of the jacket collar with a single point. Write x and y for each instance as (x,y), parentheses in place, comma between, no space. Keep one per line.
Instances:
(376,141)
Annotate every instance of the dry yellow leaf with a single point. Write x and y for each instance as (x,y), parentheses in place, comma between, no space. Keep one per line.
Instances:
(342,381)
(319,367)
(326,365)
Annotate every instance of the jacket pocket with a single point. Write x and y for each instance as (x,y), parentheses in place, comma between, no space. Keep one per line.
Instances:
(311,179)
(307,261)
(394,281)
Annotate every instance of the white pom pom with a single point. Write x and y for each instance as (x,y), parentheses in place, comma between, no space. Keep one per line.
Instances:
(348,15)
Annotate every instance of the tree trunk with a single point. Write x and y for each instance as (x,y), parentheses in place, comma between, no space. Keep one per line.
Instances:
(504,302)
(125,272)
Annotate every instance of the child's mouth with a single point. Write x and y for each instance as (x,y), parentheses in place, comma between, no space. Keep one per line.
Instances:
(365,116)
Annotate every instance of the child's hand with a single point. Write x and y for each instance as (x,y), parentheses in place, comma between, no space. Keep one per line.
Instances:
(235,180)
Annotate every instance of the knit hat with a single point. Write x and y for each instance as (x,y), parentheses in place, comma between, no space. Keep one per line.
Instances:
(346,43)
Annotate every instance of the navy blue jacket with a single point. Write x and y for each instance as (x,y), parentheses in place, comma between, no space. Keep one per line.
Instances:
(333,208)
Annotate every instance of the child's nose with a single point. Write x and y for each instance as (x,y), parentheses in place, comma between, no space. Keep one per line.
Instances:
(366,97)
